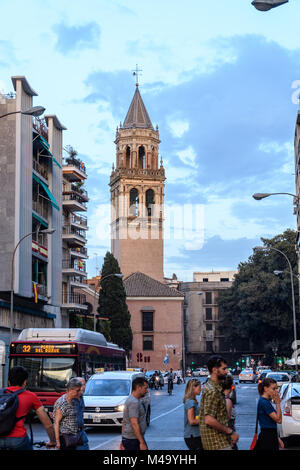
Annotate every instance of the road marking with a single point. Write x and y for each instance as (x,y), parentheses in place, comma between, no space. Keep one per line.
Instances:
(107,442)
(168,412)
(115,439)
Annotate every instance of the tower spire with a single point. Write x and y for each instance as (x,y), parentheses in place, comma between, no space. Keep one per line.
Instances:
(136,74)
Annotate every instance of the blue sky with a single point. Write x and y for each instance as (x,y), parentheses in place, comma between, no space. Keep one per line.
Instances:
(220,80)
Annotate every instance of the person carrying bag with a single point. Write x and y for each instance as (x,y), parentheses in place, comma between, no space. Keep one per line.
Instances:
(67,432)
(268,417)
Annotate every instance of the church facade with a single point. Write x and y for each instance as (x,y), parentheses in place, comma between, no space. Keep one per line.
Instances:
(137,187)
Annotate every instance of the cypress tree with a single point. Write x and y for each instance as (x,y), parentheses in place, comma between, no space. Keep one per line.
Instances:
(112,303)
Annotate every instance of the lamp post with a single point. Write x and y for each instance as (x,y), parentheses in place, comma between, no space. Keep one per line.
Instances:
(266,5)
(120,276)
(293,294)
(259,196)
(33,111)
(11,316)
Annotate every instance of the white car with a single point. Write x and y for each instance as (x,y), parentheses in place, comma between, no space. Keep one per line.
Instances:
(290,407)
(280,377)
(247,375)
(105,395)
(200,372)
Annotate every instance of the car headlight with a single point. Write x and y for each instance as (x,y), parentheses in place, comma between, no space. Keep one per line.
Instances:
(120,408)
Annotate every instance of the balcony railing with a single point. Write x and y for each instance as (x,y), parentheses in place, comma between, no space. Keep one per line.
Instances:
(75,162)
(79,220)
(72,196)
(41,207)
(78,265)
(71,298)
(79,251)
(69,230)
(41,290)
(40,169)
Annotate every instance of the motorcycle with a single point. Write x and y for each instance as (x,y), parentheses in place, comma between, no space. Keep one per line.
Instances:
(156,382)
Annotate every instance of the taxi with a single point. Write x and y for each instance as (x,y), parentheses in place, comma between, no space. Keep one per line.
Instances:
(105,396)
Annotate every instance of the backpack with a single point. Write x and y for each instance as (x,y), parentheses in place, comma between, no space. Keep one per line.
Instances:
(9,403)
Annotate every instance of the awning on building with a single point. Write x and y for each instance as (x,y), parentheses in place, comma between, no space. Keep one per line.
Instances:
(47,191)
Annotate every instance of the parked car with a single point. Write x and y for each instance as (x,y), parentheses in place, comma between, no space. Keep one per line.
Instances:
(105,395)
(247,375)
(280,377)
(290,407)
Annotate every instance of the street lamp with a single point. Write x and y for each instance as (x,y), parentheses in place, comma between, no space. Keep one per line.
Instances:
(265,5)
(259,196)
(11,316)
(261,248)
(33,111)
(119,275)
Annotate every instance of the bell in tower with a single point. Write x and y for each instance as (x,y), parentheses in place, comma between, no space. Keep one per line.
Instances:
(137,194)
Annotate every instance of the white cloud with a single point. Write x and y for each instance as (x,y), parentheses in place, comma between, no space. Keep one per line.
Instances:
(178,127)
(188,156)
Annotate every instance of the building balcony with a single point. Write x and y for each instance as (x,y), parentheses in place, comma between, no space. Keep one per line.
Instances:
(74,170)
(40,245)
(79,252)
(73,301)
(209,335)
(79,221)
(74,201)
(41,170)
(41,208)
(74,236)
(77,281)
(74,268)
(42,292)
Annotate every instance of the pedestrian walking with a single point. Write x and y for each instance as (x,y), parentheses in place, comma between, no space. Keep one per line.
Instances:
(134,417)
(79,405)
(67,431)
(231,412)
(191,415)
(268,417)
(17,438)
(214,423)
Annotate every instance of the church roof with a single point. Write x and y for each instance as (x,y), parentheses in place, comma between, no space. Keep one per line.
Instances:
(140,285)
(137,115)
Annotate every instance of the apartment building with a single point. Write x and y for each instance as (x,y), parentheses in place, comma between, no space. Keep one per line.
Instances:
(74,251)
(202,335)
(30,204)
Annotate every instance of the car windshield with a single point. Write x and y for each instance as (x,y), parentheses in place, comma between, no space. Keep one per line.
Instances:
(107,388)
(296,391)
(279,377)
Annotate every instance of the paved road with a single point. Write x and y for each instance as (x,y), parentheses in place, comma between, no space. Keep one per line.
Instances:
(166,429)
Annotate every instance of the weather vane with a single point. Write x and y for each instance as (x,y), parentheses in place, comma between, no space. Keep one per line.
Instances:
(136,74)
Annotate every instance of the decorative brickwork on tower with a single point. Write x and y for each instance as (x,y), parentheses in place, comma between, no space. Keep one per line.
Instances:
(137,195)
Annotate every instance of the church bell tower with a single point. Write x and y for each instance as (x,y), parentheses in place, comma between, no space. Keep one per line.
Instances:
(137,195)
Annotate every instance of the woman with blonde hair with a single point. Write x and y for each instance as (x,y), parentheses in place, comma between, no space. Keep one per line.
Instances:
(191,415)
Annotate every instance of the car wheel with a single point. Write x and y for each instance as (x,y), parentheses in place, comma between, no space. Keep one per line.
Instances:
(148,414)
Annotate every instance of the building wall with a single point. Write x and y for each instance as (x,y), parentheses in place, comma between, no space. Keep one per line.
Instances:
(201,316)
(7,193)
(167,332)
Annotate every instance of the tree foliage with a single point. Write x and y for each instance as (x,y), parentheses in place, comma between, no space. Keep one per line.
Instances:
(256,312)
(112,304)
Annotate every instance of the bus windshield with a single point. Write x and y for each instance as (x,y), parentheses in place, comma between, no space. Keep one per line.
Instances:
(47,373)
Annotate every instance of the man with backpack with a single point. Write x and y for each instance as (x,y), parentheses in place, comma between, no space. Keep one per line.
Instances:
(15,404)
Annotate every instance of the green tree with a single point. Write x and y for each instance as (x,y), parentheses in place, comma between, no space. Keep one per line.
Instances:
(256,312)
(112,303)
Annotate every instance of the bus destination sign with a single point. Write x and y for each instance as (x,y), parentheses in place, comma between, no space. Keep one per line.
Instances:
(42,348)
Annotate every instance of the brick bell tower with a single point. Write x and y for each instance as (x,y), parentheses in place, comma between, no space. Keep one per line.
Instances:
(137,195)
